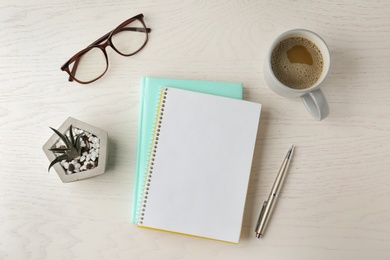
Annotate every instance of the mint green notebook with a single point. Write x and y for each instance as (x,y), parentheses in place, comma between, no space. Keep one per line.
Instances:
(149,98)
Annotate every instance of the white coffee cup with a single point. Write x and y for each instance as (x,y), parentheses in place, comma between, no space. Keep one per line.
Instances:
(312,97)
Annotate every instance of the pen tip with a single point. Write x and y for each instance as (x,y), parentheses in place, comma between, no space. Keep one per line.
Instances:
(290,152)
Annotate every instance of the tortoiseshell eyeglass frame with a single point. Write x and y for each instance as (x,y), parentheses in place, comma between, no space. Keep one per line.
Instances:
(102,43)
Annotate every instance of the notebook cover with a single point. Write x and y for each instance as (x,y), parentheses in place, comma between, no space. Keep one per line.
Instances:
(149,97)
(200,164)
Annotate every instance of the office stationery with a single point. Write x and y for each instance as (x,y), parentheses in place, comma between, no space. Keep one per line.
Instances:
(269,204)
(149,98)
(200,164)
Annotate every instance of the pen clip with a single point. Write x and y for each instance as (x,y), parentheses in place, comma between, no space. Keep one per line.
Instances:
(261,214)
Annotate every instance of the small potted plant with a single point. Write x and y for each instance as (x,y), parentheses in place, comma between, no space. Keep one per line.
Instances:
(77,150)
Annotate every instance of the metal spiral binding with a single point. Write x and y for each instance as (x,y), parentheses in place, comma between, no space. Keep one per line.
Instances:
(149,175)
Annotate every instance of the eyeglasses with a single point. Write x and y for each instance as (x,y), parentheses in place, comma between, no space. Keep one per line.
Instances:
(91,64)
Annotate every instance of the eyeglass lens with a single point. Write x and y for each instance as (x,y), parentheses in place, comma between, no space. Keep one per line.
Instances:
(130,38)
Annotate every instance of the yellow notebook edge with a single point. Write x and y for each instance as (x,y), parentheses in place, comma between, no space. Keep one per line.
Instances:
(189,235)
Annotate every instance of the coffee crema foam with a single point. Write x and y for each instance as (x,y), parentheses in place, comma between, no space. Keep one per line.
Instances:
(292,69)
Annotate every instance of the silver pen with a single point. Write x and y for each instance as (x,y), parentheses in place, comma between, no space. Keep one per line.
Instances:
(269,204)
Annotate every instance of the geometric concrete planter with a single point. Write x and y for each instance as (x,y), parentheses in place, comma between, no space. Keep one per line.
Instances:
(87,173)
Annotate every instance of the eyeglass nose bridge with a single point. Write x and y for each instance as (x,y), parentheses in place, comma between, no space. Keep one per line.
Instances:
(106,44)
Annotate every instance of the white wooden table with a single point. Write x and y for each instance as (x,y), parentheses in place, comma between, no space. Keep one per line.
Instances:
(335,202)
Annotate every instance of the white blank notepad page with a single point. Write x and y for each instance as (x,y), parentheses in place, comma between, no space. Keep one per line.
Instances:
(201,165)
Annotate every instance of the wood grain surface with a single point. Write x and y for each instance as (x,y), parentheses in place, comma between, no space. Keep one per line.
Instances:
(335,202)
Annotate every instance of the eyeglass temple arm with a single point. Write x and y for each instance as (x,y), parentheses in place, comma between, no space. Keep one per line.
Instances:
(105,37)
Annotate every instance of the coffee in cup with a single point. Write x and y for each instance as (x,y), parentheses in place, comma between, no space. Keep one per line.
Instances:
(296,64)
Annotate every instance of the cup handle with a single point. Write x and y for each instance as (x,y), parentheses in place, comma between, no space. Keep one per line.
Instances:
(316,103)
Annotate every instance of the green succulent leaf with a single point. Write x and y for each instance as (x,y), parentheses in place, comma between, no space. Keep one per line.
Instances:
(63,138)
(71,135)
(59,150)
(57,159)
(72,149)
(78,143)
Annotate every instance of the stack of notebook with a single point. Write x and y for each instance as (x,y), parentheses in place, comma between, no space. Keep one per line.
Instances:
(194,155)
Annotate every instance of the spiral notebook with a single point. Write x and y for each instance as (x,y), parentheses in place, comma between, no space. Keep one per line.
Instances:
(149,98)
(200,165)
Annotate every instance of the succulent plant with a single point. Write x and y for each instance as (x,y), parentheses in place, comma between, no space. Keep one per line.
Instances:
(71,148)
